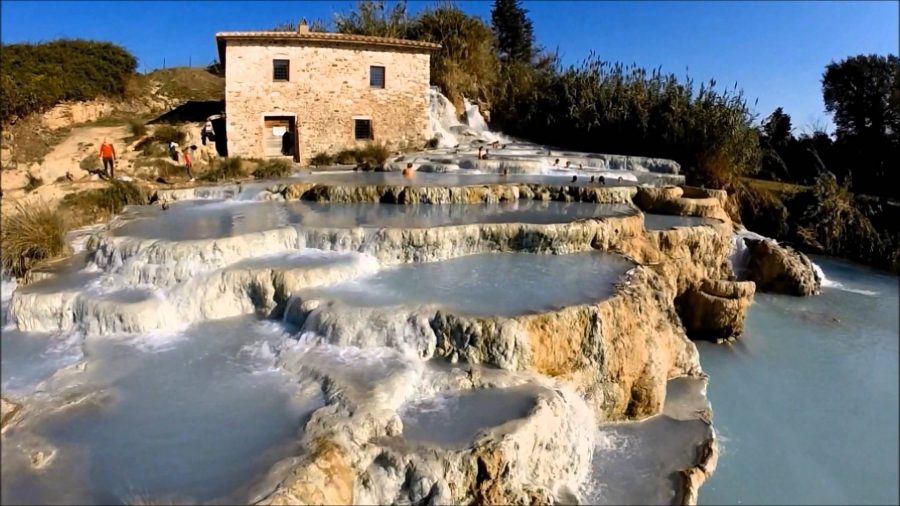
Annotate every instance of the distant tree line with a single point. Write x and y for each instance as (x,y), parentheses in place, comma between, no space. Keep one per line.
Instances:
(35,77)
(863,95)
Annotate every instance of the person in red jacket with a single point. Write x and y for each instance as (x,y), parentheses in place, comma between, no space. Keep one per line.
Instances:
(186,154)
(108,158)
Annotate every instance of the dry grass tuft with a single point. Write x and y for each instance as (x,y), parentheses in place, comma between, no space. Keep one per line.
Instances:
(30,236)
(225,169)
(271,169)
(95,205)
(370,157)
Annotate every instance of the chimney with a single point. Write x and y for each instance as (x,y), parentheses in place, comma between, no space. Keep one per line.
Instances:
(303,27)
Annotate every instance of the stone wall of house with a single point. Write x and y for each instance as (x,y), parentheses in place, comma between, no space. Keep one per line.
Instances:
(328,88)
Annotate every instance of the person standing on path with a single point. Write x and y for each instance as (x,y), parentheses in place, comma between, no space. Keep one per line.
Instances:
(108,158)
(186,154)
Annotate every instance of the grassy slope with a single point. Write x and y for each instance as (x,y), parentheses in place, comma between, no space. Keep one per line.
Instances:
(187,83)
(32,142)
(774,186)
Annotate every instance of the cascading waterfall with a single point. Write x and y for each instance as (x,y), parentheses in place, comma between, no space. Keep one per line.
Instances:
(740,259)
(476,121)
(740,255)
(441,119)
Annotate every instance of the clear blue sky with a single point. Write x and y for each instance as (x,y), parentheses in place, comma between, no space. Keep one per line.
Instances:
(775,51)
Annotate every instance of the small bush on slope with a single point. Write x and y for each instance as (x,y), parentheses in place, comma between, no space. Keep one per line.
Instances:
(269,169)
(31,236)
(95,205)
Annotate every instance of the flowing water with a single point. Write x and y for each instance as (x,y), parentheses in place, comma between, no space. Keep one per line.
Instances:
(27,359)
(806,402)
(639,463)
(454,420)
(666,221)
(194,220)
(212,390)
(486,285)
(461,178)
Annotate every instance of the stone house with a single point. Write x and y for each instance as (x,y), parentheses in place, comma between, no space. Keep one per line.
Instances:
(302,93)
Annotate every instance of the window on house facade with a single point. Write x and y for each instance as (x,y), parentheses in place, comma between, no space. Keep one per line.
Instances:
(362,129)
(281,70)
(376,77)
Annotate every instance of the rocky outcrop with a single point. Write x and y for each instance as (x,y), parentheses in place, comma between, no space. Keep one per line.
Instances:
(388,194)
(603,349)
(683,201)
(167,263)
(576,345)
(694,477)
(715,309)
(324,477)
(8,412)
(257,286)
(360,452)
(480,194)
(781,269)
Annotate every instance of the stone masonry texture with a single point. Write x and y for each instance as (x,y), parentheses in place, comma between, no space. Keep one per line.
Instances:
(328,88)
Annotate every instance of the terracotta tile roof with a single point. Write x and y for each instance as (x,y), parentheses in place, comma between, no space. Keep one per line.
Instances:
(323,37)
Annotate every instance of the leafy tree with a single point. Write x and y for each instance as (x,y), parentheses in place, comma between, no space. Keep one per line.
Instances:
(861,92)
(513,30)
(466,64)
(777,128)
(371,17)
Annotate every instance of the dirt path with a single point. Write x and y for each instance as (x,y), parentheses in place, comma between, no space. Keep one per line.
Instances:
(65,158)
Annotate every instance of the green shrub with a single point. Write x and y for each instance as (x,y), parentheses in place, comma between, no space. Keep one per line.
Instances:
(137,128)
(161,166)
(269,169)
(225,169)
(35,77)
(93,205)
(370,157)
(30,236)
(90,163)
(833,224)
(149,148)
(32,182)
(164,134)
(346,157)
(607,107)
(321,159)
